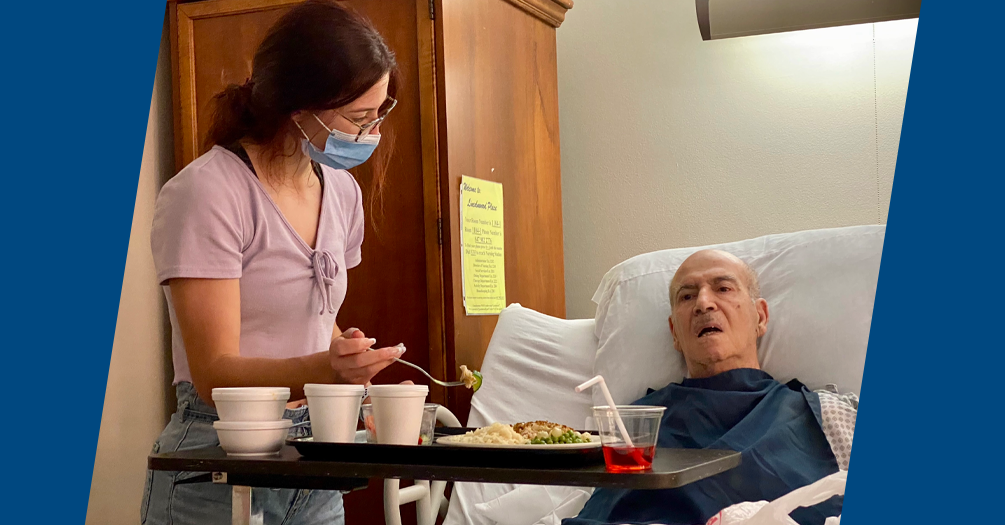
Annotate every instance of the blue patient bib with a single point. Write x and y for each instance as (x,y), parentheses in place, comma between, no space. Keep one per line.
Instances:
(777,429)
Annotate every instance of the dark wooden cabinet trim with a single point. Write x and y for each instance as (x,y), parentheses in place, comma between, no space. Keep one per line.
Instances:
(552,12)
(438,362)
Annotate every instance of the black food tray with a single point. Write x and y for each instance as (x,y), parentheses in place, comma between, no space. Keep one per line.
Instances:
(446,455)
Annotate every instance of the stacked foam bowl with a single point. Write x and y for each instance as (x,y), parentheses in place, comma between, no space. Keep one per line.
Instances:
(251,420)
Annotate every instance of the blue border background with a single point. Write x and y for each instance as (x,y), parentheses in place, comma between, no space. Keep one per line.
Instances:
(926,445)
(77,85)
(77,82)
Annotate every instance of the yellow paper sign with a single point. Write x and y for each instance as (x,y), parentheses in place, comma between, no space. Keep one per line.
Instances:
(483,268)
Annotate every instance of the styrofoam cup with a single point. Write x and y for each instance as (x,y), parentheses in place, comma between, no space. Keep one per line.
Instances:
(397,412)
(250,403)
(334,410)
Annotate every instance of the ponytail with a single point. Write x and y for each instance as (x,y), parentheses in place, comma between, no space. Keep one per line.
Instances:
(233,118)
(320,55)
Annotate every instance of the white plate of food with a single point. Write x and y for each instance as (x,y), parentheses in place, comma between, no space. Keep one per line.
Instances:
(533,435)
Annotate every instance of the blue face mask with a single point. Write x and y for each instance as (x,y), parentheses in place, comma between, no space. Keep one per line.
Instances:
(341,152)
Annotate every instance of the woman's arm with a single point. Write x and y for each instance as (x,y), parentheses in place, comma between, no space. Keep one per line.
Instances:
(209,317)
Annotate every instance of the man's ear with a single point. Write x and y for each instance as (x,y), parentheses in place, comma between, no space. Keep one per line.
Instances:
(762,316)
(676,344)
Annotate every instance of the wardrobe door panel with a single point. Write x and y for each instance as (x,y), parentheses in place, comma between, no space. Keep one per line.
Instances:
(499,111)
(212,46)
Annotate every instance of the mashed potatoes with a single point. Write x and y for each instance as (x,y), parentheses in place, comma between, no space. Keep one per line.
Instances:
(494,434)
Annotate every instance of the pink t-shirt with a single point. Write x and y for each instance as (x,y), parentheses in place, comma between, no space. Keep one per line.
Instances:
(214,220)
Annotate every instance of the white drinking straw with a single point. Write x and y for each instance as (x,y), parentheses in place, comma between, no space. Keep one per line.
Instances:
(599,380)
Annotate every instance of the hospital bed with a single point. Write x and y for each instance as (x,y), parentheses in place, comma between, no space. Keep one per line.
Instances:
(820,286)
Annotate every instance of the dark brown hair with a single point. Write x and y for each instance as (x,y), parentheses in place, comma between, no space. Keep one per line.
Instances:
(320,55)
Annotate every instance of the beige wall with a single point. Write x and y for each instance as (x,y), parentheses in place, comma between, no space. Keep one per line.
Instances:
(137,396)
(669,141)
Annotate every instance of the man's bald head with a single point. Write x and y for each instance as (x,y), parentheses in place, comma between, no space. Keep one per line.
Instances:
(716,313)
(751,281)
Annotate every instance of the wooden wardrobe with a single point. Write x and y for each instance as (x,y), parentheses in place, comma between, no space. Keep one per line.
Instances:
(479,98)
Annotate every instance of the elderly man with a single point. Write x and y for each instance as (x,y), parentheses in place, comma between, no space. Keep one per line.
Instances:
(727,402)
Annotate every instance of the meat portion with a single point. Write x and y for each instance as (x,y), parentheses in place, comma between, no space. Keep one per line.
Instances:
(532,429)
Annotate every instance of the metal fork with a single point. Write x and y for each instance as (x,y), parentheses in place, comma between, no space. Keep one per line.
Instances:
(431,378)
(348,334)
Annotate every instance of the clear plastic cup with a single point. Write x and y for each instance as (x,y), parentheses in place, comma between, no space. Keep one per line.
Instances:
(366,416)
(428,423)
(642,424)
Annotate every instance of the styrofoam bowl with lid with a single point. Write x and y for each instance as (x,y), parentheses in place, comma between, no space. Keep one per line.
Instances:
(333,410)
(397,412)
(251,403)
(252,438)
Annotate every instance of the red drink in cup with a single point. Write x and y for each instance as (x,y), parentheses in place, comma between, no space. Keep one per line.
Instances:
(634,452)
(628,459)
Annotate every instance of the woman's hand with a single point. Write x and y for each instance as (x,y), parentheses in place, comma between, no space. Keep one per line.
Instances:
(352,360)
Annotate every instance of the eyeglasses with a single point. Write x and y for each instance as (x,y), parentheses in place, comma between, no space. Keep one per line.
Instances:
(364,128)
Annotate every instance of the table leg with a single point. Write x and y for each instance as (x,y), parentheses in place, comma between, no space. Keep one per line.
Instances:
(243,511)
(392,502)
(424,507)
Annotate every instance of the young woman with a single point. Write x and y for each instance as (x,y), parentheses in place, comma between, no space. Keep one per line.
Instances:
(252,241)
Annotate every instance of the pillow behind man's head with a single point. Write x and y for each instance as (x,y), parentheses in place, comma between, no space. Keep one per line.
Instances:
(820,286)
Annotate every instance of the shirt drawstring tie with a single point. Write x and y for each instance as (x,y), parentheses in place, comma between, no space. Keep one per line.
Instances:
(325,270)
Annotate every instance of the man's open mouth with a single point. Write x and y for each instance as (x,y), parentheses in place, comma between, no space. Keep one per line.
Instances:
(709,330)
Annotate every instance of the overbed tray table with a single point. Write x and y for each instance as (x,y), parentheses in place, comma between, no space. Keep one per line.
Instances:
(671,468)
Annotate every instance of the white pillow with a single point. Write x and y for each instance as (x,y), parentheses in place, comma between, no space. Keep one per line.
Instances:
(532,365)
(820,286)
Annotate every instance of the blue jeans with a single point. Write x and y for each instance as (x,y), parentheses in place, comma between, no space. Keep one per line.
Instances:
(165,502)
